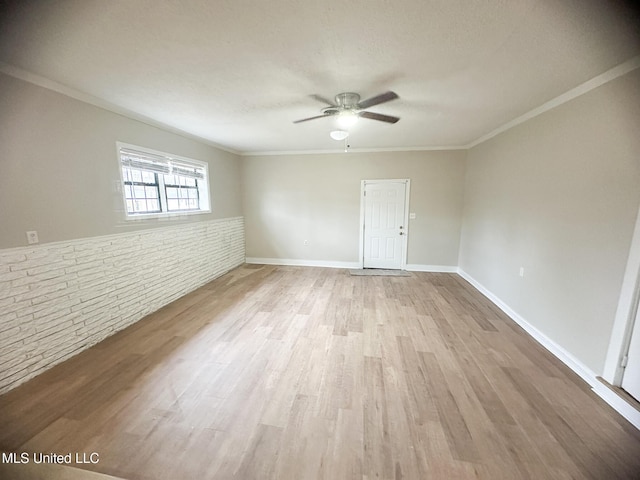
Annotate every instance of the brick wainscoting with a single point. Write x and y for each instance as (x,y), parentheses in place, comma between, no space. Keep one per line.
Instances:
(60,298)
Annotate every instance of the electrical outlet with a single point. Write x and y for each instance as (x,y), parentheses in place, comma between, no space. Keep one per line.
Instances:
(522,271)
(32,237)
(305,243)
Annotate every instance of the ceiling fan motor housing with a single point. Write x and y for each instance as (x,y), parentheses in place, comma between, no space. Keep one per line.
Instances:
(347,100)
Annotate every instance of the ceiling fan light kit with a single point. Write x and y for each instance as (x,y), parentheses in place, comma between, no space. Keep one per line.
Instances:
(347,119)
(339,134)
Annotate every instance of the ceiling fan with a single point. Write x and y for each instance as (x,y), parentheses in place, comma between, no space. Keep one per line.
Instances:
(348,108)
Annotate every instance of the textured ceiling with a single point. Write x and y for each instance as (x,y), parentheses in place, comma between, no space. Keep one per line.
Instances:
(238,72)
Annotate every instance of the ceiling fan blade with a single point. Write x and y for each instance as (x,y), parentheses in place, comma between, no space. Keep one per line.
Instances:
(310,118)
(377,100)
(323,100)
(379,116)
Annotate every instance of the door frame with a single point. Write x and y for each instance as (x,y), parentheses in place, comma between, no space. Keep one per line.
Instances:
(625,314)
(405,239)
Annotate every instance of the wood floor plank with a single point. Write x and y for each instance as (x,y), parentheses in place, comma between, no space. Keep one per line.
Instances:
(277,372)
(590,462)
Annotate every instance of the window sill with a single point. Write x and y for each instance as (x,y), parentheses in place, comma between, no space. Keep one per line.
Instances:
(163,216)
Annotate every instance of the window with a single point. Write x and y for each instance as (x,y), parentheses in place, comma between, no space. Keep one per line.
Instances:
(158,184)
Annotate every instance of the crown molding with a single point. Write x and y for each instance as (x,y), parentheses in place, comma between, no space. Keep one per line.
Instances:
(581,89)
(603,78)
(100,103)
(351,150)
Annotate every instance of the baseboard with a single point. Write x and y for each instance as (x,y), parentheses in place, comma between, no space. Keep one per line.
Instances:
(412,267)
(565,357)
(301,263)
(415,267)
(618,404)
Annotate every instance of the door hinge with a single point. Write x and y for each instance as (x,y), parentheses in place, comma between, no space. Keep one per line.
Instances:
(623,362)
(365,193)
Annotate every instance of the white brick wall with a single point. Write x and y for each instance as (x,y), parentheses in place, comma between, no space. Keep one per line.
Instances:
(60,298)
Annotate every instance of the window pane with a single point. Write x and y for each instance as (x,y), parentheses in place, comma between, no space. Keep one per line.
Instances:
(142,192)
(151,192)
(148,177)
(138,191)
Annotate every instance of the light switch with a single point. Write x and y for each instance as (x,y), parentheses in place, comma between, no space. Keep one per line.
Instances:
(412,216)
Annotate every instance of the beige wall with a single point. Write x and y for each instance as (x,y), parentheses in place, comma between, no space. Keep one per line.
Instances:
(60,171)
(558,195)
(289,199)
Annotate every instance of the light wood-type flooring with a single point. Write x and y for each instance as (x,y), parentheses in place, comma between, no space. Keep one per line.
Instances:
(310,373)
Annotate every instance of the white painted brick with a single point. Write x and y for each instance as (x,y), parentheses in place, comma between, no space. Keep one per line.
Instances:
(6,278)
(39,292)
(98,303)
(36,263)
(55,336)
(38,254)
(16,363)
(5,302)
(125,245)
(40,251)
(88,265)
(90,248)
(9,336)
(89,279)
(10,258)
(60,295)
(14,308)
(57,267)
(25,367)
(101,291)
(8,321)
(100,317)
(79,293)
(89,333)
(47,282)
(51,340)
(54,319)
(6,290)
(47,308)
(33,279)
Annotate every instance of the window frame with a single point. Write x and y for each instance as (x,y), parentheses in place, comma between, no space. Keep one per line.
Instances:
(202,184)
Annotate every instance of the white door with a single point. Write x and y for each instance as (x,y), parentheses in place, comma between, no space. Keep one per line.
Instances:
(384,224)
(631,376)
